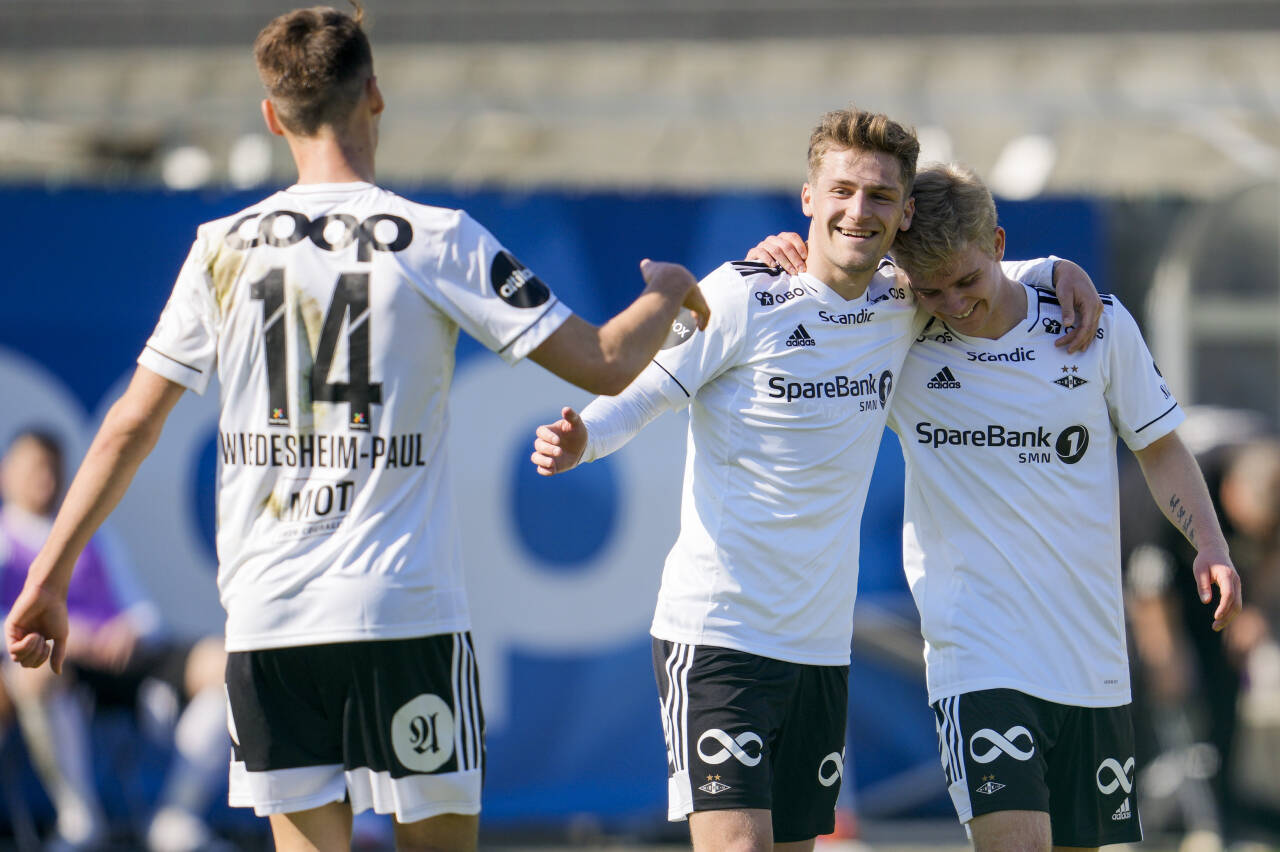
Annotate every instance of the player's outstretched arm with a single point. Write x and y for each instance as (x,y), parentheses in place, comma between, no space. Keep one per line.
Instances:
(787,250)
(607,358)
(557,447)
(1179,489)
(36,629)
(1081,306)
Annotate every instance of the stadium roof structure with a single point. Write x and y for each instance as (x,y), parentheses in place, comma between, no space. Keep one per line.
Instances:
(1123,98)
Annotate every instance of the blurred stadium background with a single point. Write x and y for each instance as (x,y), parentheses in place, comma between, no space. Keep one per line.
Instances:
(1140,138)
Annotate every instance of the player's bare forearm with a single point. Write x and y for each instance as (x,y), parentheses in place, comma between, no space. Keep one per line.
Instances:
(606,359)
(127,435)
(1179,489)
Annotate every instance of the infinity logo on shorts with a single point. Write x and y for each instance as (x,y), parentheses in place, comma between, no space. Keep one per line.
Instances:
(731,747)
(827,778)
(1002,744)
(1119,776)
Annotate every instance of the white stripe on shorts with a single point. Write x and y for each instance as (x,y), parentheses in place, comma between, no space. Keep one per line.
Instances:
(467,734)
(675,726)
(951,750)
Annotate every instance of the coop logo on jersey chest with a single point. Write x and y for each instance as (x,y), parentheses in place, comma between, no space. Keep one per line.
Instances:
(422,733)
(515,283)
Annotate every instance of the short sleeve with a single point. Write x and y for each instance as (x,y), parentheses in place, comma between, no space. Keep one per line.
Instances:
(691,358)
(493,296)
(184,346)
(1035,273)
(1142,406)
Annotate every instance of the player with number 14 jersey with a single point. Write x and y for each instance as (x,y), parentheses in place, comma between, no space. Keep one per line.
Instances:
(345,439)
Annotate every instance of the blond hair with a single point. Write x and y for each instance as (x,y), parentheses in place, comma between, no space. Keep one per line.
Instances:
(314,63)
(954,209)
(855,129)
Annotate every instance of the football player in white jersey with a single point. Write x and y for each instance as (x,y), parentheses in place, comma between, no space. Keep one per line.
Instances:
(1011,529)
(787,390)
(330,312)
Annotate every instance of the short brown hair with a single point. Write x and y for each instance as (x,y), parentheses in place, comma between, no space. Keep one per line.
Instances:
(314,63)
(954,209)
(855,129)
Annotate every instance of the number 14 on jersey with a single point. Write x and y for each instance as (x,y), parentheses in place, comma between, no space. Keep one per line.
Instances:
(349,307)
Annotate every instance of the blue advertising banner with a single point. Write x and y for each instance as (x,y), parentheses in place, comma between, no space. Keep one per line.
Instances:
(562,572)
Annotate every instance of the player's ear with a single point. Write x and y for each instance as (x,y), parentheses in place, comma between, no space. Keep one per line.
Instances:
(376,102)
(270,117)
(806,200)
(908,212)
(999,243)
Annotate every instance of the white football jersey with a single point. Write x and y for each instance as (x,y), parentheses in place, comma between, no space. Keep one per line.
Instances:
(1011,542)
(787,389)
(330,313)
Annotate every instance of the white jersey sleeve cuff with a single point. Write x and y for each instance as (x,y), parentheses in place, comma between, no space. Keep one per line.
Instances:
(1035,273)
(534,334)
(189,376)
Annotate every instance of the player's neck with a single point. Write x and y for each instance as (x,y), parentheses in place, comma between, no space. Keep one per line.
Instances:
(849,284)
(332,159)
(1010,310)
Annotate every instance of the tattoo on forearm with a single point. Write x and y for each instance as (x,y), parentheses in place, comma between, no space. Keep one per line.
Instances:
(1182,517)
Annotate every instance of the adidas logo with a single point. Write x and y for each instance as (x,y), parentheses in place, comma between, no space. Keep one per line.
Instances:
(944,380)
(1122,812)
(801,337)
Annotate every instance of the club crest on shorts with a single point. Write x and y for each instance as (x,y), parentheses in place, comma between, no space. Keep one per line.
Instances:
(422,733)
(714,786)
(989,785)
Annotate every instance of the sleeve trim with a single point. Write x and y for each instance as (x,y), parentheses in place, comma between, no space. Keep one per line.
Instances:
(1161,417)
(531,325)
(196,370)
(673,378)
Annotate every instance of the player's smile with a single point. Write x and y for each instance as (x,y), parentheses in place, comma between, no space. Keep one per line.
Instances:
(858,204)
(972,295)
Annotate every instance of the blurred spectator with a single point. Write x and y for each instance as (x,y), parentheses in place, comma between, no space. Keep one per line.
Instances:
(1191,683)
(116,651)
